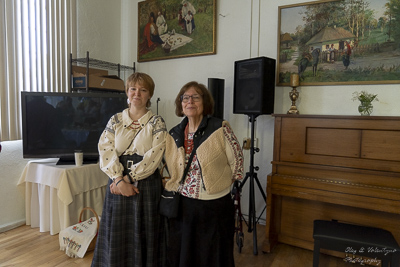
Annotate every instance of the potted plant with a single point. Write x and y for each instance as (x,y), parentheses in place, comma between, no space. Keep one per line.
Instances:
(365,108)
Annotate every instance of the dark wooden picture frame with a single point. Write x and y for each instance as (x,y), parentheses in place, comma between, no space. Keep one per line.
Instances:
(322,43)
(170,29)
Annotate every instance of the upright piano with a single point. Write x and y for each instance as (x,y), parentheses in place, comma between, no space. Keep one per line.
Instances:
(345,168)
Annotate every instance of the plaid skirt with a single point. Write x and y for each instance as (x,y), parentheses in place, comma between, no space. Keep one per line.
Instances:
(132,232)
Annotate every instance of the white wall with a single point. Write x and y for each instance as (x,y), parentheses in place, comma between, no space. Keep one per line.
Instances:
(12,197)
(245,29)
(99,29)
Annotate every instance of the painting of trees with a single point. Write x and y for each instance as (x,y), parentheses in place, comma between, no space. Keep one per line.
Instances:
(365,33)
(393,16)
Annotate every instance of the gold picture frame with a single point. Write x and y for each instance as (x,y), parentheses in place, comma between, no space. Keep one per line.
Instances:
(170,29)
(317,41)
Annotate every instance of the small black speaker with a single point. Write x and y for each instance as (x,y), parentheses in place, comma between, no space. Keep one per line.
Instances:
(217,88)
(254,87)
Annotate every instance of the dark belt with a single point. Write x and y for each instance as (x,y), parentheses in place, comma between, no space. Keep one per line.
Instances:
(127,161)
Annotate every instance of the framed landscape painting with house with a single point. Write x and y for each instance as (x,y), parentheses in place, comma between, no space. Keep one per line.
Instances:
(176,28)
(339,42)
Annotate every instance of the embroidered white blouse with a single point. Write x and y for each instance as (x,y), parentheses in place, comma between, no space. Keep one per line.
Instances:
(148,134)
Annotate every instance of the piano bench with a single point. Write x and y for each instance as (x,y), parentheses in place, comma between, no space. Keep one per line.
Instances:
(365,242)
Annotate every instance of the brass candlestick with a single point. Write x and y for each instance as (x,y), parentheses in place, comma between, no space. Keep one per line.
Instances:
(294,95)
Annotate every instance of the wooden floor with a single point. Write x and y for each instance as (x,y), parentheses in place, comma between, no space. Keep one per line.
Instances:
(26,246)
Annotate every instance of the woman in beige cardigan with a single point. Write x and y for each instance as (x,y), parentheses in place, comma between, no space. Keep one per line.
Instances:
(202,234)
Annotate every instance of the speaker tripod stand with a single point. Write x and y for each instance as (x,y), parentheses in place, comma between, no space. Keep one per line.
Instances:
(252,177)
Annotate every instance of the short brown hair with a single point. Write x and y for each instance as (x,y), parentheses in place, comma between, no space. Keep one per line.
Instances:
(144,80)
(201,89)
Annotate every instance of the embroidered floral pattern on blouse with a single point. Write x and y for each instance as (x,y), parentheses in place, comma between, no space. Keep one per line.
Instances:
(238,168)
(191,186)
(158,124)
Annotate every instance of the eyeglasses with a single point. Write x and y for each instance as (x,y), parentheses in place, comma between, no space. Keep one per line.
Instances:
(195,98)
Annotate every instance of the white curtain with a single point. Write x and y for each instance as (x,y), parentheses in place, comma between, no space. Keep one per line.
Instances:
(37,37)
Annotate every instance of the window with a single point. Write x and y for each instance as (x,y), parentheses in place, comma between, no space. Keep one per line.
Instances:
(37,39)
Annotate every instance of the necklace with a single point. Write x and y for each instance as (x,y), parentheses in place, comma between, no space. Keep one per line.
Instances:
(188,144)
(135,125)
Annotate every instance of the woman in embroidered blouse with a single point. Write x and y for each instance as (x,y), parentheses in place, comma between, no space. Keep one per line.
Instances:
(131,149)
(202,234)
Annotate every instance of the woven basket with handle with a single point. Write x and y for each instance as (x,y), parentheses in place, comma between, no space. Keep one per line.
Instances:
(93,243)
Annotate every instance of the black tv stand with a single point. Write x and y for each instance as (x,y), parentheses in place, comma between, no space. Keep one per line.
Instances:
(71,161)
(66,161)
(90,160)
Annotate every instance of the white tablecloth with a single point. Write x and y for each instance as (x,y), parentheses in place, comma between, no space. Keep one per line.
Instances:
(56,194)
(175,40)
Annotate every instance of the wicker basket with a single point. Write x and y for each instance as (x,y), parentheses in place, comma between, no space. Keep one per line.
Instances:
(93,243)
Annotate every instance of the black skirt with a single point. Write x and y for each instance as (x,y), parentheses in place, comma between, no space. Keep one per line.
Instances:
(202,235)
(132,232)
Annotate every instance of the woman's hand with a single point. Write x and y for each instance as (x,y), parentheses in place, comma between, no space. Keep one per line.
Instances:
(126,189)
(113,188)
(126,179)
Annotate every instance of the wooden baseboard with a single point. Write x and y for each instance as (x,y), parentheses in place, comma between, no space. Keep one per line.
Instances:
(6,227)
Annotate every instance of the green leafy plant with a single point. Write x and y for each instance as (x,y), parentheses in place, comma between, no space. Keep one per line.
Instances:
(364,97)
(365,108)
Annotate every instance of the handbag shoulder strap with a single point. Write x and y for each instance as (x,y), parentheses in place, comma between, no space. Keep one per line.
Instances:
(196,144)
(188,164)
(136,135)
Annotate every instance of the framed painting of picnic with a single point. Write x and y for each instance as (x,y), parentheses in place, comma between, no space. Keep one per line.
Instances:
(176,28)
(339,42)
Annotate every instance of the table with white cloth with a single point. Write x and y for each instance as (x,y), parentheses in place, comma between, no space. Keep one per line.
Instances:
(56,194)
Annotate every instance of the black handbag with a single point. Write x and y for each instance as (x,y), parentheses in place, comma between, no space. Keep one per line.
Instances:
(169,202)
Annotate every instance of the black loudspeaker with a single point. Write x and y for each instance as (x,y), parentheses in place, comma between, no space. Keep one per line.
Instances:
(254,87)
(217,88)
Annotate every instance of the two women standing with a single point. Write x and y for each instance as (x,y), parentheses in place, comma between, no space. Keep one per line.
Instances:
(132,232)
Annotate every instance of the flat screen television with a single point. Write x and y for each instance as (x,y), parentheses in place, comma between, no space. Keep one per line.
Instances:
(55,125)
